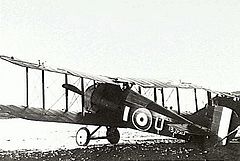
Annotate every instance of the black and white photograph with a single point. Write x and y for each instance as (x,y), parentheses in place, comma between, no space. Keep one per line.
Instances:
(120,80)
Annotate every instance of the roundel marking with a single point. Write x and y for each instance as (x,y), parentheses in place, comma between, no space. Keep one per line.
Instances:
(142,119)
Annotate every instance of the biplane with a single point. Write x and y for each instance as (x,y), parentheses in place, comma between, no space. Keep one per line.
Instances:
(112,103)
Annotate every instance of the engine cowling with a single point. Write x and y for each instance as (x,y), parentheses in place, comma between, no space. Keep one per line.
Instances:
(103,97)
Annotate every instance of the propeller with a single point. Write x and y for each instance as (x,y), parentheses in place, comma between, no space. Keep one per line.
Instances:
(72,88)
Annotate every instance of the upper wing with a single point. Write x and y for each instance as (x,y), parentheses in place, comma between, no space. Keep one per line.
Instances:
(152,83)
(146,83)
(55,70)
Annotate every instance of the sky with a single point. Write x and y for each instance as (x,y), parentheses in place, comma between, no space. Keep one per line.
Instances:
(192,41)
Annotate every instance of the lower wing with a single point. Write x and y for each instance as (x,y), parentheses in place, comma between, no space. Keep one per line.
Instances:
(37,114)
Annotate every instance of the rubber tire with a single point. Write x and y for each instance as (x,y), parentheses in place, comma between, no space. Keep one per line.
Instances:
(87,139)
(113,135)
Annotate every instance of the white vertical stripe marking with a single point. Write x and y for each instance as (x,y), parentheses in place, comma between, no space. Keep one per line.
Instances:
(224,124)
(125,113)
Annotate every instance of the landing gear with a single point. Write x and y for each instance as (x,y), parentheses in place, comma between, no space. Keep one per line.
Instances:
(83,135)
(113,135)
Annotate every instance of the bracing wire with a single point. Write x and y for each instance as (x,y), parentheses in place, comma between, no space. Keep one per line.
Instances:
(48,88)
(37,77)
(135,88)
(74,95)
(170,95)
(147,92)
(57,100)
(71,104)
(60,99)
(87,83)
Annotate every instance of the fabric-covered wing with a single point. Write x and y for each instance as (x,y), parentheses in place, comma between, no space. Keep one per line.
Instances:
(145,83)
(37,114)
(55,70)
(152,83)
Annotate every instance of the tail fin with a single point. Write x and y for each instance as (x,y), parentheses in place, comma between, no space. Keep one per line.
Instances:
(221,122)
(226,118)
(222,118)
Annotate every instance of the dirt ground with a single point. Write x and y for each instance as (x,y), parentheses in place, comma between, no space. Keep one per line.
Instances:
(144,151)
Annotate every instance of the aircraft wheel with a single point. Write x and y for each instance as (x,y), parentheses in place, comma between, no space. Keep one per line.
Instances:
(83,136)
(113,135)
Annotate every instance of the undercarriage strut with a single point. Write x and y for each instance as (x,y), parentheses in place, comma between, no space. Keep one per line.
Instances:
(83,135)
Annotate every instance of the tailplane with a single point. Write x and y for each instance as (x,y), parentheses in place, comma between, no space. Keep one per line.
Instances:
(222,119)
(226,118)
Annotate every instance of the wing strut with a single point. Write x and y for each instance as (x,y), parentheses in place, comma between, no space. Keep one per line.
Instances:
(66,93)
(155,94)
(43,90)
(178,102)
(162,92)
(27,89)
(82,89)
(209,97)
(195,94)
(139,90)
